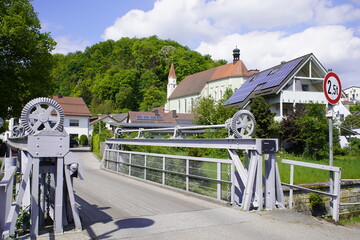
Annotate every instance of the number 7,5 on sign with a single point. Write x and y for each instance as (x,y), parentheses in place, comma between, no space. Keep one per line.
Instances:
(332,88)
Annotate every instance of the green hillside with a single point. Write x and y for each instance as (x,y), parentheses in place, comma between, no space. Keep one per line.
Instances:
(128,74)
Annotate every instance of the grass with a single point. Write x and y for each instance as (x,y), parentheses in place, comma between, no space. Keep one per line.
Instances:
(350,169)
(352,220)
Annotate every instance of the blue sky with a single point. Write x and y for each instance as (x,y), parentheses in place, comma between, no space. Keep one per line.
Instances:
(266,32)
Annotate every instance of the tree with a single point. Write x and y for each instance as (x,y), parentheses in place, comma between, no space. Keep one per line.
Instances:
(355,108)
(153,97)
(351,122)
(291,132)
(209,112)
(314,131)
(264,117)
(25,57)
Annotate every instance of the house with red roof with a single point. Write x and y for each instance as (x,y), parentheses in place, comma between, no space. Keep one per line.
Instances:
(77,115)
(212,82)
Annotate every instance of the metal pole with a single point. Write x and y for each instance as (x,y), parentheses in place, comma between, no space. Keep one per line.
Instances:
(163,172)
(218,167)
(291,192)
(331,156)
(145,165)
(187,174)
(34,230)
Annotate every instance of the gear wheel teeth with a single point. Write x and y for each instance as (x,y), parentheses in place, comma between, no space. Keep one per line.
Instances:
(243,124)
(34,117)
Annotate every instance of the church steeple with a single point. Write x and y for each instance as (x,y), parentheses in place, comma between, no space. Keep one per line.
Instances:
(171,81)
(236,55)
(172,72)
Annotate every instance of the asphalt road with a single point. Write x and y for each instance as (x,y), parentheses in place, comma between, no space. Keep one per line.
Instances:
(118,207)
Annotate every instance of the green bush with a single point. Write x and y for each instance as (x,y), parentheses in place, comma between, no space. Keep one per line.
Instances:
(84,140)
(354,146)
(96,139)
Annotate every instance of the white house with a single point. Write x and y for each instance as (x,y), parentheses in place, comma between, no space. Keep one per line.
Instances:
(213,82)
(352,93)
(77,115)
(111,121)
(298,81)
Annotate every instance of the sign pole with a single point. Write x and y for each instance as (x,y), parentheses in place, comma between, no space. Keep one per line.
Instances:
(331,150)
(332,90)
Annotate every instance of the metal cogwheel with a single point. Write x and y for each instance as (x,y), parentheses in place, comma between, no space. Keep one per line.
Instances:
(17,131)
(42,114)
(243,124)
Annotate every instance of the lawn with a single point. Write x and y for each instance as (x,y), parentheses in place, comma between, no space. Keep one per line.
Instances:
(350,169)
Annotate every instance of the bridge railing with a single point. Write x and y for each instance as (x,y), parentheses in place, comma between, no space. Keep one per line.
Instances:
(206,176)
(334,193)
(6,195)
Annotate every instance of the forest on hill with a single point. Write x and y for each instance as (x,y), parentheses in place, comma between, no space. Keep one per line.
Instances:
(128,74)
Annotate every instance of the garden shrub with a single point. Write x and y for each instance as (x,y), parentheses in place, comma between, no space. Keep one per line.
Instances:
(84,140)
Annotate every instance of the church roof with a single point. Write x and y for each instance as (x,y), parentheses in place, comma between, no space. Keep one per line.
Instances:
(194,84)
(172,72)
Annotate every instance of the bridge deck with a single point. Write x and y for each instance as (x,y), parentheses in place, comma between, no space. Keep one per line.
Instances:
(115,207)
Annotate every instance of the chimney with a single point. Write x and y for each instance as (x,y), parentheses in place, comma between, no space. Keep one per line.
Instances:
(156,112)
(99,116)
(174,114)
(59,95)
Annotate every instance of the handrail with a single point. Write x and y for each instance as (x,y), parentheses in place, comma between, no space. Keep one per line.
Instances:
(334,192)
(6,190)
(177,127)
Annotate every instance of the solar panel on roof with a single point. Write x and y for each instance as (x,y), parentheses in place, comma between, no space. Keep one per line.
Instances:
(263,80)
(139,117)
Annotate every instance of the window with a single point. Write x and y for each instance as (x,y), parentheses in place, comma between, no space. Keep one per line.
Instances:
(74,123)
(305,87)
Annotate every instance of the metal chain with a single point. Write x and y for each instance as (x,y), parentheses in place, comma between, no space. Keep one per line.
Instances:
(48,186)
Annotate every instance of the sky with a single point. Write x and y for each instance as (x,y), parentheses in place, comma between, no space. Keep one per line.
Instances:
(266,32)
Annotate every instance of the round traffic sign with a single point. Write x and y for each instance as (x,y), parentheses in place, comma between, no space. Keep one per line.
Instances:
(332,88)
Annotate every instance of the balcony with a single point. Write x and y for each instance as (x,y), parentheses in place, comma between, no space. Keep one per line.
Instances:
(303,97)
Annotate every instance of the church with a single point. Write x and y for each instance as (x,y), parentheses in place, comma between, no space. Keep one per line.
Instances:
(212,82)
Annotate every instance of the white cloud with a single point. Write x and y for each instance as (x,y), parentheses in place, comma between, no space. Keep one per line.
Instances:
(335,46)
(67,44)
(215,27)
(192,21)
(169,19)
(326,13)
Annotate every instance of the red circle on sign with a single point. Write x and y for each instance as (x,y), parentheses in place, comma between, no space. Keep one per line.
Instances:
(329,88)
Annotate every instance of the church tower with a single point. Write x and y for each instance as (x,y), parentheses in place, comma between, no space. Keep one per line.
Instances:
(236,55)
(171,81)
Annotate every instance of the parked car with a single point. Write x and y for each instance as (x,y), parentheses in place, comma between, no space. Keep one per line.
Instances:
(74,143)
